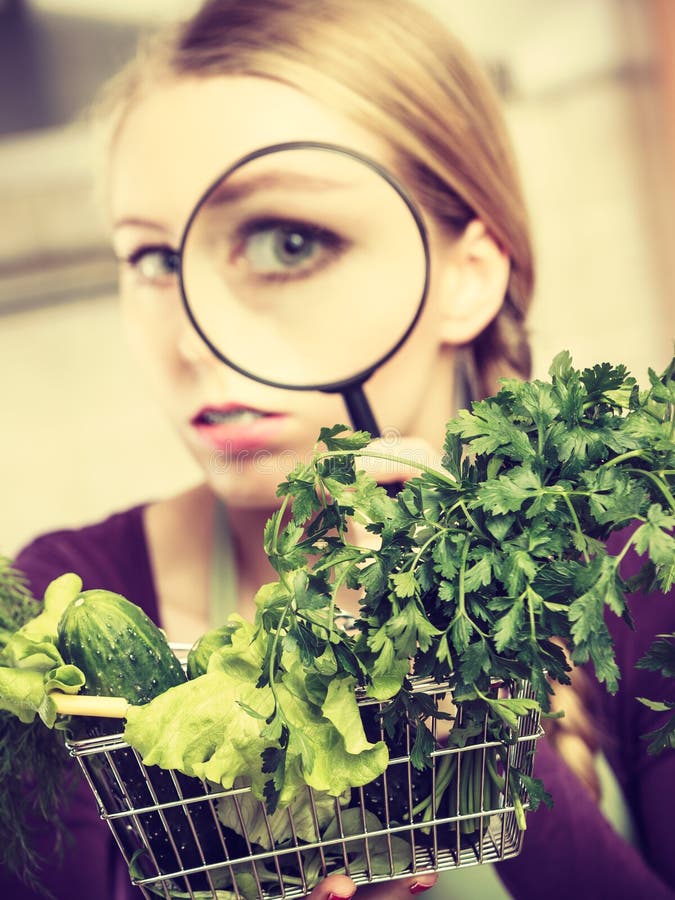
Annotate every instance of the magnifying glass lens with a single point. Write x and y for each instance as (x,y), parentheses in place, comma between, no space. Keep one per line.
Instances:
(304,267)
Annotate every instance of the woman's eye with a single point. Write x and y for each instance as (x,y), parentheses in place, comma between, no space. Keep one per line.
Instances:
(281,250)
(154,265)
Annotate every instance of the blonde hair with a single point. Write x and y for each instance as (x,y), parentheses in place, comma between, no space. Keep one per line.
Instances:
(390,66)
(575,735)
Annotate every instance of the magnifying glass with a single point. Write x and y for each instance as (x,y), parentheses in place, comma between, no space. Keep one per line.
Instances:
(306,266)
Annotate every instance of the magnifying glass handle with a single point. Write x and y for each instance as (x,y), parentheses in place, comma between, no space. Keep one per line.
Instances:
(359,410)
(362,419)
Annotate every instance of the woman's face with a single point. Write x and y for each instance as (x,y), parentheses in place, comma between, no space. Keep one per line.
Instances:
(296,263)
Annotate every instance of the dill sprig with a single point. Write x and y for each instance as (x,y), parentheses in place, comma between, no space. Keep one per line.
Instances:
(34,764)
(17,604)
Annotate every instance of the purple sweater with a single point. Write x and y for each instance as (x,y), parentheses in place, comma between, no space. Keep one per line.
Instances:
(569,851)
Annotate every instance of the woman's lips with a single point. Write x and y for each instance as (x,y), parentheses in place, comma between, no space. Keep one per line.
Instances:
(234,428)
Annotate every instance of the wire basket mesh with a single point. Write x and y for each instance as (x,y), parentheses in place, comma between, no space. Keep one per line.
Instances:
(184,838)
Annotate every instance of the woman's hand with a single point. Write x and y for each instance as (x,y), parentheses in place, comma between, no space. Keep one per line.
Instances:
(341,887)
(411,452)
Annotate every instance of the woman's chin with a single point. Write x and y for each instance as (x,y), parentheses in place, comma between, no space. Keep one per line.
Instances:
(245,488)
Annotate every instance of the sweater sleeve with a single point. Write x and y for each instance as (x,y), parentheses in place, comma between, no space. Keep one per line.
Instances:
(647,779)
(110,555)
(572,851)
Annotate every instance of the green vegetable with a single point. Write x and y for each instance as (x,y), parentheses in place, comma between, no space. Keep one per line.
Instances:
(480,565)
(221,726)
(661,658)
(17,604)
(244,815)
(200,652)
(121,651)
(35,768)
(30,663)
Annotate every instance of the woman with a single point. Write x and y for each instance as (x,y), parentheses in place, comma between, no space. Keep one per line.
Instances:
(383,79)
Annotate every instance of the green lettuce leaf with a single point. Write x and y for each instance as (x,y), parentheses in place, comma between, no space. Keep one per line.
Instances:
(268,830)
(201,728)
(58,596)
(39,654)
(223,741)
(332,759)
(381,854)
(32,665)
(22,692)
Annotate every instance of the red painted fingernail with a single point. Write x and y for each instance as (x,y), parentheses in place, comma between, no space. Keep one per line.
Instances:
(417,887)
(339,897)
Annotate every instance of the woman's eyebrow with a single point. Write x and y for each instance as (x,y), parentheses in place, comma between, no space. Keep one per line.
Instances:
(139,222)
(238,188)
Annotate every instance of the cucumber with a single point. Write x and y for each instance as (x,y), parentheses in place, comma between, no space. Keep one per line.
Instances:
(122,653)
(118,647)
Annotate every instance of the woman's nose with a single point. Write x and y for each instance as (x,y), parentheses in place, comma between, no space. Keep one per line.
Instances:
(200,361)
(191,347)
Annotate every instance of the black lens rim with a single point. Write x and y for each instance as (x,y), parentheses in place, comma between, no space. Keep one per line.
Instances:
(362,375)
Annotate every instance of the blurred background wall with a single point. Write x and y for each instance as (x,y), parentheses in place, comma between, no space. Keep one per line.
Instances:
(589,91)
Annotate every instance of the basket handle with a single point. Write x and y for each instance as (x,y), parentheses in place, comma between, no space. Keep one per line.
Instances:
(88,705)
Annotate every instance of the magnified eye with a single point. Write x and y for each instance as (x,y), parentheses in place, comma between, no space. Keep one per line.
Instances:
(278,250)
(155,264)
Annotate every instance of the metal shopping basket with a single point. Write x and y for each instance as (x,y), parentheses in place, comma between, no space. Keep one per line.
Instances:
(182,837)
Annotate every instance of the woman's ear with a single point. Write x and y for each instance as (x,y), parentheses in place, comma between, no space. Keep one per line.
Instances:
(472,284)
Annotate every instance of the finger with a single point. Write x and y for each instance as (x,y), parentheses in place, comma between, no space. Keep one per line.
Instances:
(402,889)
(401,458)
(334,887)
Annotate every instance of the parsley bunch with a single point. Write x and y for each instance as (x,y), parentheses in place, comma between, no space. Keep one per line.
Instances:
(479,570)
(485,565)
